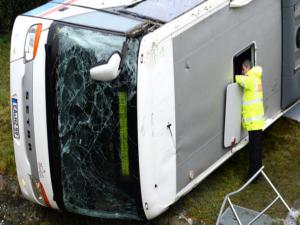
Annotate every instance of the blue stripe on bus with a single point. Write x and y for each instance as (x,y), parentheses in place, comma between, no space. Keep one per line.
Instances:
(39,10)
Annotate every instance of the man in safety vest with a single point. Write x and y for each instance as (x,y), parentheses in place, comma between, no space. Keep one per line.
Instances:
(252,112)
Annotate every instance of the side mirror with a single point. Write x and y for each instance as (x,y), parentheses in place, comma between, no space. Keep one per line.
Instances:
(109,71)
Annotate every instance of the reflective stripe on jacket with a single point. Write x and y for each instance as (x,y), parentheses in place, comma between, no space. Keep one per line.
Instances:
(253,106)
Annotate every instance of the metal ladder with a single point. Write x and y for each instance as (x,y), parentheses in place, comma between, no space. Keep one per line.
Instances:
(227,199)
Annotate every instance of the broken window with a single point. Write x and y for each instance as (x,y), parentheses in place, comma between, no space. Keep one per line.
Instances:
(97,124)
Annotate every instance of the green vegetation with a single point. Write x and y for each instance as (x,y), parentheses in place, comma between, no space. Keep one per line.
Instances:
(9,9)
(281,159)
(7,163)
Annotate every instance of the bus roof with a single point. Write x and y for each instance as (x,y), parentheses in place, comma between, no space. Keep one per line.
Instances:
(67,11)
(158,10)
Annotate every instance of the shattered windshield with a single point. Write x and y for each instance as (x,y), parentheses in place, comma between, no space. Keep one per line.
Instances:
(97,125)
(162,10)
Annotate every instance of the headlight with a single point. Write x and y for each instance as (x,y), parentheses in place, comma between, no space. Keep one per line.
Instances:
(32,42)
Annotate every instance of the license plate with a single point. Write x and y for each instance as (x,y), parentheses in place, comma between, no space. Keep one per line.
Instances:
(15,118)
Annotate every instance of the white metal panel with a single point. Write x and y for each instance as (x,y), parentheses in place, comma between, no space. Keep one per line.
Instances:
(239,3)
(21,27)
(17,71)
(155,65)
(40,119)
(57,10)
(156,110)
(233,115)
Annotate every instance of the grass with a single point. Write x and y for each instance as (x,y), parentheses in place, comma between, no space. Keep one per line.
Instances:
(7,163)
(281,159)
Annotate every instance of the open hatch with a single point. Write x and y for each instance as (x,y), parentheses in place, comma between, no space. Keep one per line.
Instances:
(233,131)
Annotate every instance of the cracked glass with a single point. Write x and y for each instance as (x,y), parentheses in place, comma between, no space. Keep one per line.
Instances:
(97,124)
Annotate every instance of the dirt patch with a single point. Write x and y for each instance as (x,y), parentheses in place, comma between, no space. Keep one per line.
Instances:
(15,210)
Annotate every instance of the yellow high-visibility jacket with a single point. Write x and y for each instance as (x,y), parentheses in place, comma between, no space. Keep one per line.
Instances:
(253,106)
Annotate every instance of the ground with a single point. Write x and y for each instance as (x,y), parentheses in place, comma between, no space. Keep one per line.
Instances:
(6,153)
(281,160)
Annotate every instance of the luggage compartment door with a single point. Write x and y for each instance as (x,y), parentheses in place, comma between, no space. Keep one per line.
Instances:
(233,115)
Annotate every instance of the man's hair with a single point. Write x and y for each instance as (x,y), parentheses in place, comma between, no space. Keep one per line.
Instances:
(247,63)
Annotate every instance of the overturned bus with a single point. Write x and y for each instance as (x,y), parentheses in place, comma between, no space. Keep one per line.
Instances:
(118,107)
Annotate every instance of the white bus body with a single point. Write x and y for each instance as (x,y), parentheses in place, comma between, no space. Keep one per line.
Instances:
(131,147)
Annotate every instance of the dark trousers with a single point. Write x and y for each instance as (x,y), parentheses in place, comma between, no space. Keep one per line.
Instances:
(255,151)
